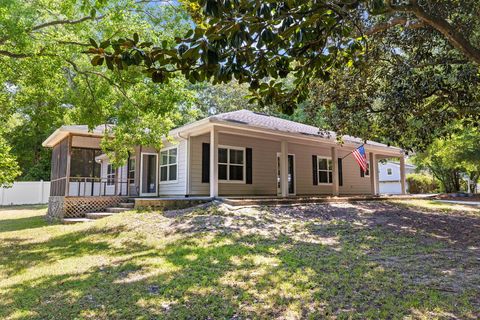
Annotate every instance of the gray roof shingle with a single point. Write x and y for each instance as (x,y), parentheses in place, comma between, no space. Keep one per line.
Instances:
(260,120)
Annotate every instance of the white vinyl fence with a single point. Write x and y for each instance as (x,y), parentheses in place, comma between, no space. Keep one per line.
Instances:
(25,192)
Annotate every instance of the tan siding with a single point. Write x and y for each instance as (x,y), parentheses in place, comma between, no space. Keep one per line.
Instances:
(303,169)
(196,185)
(264,157)
(264,168)
(352,182)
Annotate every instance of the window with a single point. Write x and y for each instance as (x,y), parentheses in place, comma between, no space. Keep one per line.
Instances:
(110,175)
(83,164)
(131,170)
(231,164)
(366,173)
(168,165)
(324,170)
(389,171)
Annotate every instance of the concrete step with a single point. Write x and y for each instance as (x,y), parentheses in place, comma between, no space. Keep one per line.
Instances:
(129,205)
(75,220)
(117,210)
(98,215)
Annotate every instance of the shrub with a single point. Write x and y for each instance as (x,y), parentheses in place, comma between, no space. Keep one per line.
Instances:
(421,183)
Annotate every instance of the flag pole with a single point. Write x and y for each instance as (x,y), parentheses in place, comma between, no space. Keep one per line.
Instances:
(352,151)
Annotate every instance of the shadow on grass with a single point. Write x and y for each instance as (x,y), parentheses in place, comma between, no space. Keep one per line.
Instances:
(7,225)
(21,254)
(15,218)
(218,270)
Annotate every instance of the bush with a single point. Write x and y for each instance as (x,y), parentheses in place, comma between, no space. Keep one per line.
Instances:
(421,183)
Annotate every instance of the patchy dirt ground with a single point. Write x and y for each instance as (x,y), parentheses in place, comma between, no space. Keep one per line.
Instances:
(363,260)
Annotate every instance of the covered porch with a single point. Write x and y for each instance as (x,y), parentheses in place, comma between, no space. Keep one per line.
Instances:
(282,163)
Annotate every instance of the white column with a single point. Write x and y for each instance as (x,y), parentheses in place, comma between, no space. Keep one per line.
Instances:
(374,173)
(187,165)
(213,163)
(335,186)
(284,168)
(402,175)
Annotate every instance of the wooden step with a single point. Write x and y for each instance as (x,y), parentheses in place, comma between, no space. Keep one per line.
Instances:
(117,210)
(129,205)
(98,215)
(75,220)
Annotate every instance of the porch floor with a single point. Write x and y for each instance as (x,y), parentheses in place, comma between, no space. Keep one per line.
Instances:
(168,203)
(272,200)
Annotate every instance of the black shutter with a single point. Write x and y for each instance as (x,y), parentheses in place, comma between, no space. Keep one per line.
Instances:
(362,174)
(340,172)
(205,162)
(249,171)
(315,170)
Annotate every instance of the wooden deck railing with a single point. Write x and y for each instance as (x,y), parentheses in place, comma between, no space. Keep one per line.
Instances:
(94,187)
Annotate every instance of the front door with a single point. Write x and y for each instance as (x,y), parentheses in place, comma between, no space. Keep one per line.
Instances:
(291,175)
(149,174)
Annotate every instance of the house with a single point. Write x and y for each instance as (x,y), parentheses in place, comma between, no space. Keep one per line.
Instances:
(390,178)
(240,153)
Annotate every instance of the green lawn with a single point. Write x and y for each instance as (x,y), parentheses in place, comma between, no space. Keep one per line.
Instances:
(336,261)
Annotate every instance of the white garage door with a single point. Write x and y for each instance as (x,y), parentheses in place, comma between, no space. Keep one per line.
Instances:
(390,187)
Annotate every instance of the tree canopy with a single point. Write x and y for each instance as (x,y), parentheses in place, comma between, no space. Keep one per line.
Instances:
(453,159)
(47,81)
(396,64)
(396,71)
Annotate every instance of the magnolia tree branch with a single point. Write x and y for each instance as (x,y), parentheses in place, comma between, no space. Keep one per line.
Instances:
(66,21)
(455,38)
(395,22)
(14,55)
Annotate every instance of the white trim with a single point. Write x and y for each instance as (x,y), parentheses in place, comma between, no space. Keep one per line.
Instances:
(167,165)
(213,162)
(327,170)
(187,165)
(244,164)
(141,175)
(108,175)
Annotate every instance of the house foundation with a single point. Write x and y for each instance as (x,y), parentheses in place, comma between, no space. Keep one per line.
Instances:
(61,207)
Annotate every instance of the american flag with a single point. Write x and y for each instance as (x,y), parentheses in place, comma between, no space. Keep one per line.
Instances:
(361,157)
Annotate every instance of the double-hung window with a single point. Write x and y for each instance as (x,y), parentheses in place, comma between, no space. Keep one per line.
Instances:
(110,175)
(325,170)
(231,164)
(168,165)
